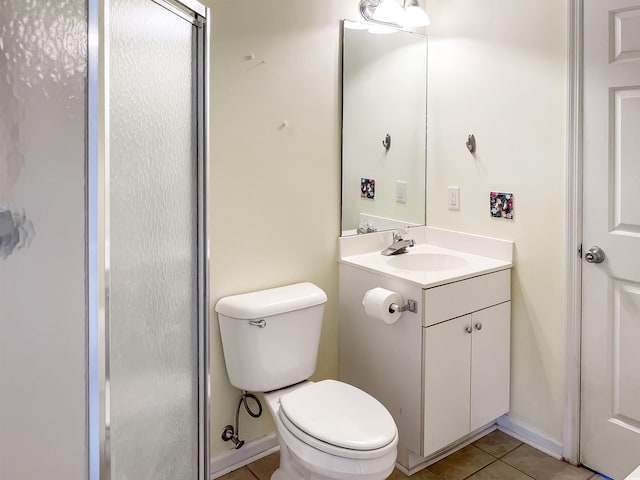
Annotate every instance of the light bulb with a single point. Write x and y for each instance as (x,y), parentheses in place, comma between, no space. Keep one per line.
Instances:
(388,11)
(414,16)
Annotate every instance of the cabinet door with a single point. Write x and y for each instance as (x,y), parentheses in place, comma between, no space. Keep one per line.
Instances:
(490,364)
(447,357)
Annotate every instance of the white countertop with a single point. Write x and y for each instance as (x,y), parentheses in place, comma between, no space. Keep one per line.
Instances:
(449,270)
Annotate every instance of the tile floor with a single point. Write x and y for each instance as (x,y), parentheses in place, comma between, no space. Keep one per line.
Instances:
(496,456)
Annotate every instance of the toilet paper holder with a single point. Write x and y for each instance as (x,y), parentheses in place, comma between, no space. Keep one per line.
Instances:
(411,306)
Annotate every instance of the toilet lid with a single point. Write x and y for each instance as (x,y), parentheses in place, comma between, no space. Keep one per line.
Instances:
(340,414)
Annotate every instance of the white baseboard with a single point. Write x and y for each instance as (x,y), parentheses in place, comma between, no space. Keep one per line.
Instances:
(529,435)
(250,452)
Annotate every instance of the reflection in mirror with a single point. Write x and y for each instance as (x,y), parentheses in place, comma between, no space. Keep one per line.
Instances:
(384,80)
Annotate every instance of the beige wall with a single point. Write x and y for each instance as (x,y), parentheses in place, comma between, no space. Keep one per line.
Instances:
(497,70)
(275,191)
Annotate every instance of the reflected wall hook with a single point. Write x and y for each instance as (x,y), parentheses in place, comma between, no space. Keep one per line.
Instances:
(386,143)
(471,143)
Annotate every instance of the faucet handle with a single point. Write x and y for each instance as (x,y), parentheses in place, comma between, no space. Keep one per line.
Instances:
(400,235)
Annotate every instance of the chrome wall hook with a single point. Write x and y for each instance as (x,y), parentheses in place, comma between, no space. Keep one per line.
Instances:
(471,143)
(386,143)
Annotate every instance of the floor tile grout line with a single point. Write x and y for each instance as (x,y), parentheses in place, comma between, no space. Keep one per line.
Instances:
(511,450)
(472,473)
(504,454)
(495,461)
(251,472)
(513,466)
(518,470)
(482,468)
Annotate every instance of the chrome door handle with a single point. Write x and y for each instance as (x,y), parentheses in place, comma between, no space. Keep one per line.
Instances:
(468,329)
(594,255)
(478,326)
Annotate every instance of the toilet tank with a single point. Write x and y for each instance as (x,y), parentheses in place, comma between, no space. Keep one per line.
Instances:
(270,337)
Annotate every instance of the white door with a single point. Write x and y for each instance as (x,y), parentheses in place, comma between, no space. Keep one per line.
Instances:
(610,412)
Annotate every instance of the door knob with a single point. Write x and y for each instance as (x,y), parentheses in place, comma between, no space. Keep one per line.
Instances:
(595,255)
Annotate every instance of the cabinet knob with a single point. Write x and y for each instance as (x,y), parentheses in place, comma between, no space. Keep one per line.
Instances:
(478,326)
(468,329)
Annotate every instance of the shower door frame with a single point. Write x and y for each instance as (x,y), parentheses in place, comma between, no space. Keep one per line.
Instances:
(97,231)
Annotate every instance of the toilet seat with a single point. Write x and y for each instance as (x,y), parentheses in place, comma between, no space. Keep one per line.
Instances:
(338,419)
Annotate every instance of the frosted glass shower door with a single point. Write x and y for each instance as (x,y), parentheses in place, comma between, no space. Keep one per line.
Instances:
(153,248)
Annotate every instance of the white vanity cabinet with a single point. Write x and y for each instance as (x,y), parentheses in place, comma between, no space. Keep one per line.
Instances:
(466,374)
(466,350)
(443,371)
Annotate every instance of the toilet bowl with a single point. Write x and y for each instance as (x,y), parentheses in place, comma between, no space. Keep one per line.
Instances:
(326,430)
(332,430)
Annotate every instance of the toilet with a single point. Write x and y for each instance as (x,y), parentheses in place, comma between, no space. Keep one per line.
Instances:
(326,429)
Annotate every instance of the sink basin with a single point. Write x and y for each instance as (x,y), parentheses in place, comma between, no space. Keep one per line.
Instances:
(427,265)
(425,262)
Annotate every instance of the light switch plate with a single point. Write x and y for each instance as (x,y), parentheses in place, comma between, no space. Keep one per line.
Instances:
(401,191)
(453,198)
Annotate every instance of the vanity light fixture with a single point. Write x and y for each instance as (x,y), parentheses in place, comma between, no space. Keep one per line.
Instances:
(388,11)
(414,16)
(391,13)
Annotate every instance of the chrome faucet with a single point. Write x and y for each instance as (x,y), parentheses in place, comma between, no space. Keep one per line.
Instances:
(400,243)
(366,227)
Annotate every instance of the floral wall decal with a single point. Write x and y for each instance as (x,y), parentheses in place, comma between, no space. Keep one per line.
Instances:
(501,205)
(368,188)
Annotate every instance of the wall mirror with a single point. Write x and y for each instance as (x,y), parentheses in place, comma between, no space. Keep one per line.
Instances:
(384,100)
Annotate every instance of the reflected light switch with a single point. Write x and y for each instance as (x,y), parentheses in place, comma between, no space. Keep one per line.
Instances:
(401,191)
(453,198)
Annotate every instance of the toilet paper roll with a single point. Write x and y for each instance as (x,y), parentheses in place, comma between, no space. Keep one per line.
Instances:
(377,301)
